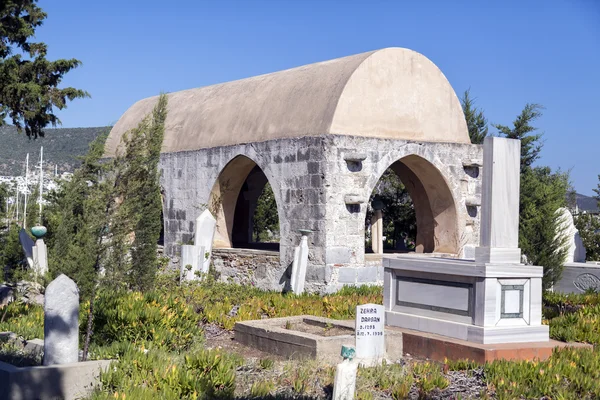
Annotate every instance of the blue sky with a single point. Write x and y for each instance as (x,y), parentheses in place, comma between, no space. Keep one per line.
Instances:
(508,52)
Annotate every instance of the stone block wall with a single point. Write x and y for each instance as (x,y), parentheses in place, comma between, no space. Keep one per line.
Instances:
(310,180)
(345,251)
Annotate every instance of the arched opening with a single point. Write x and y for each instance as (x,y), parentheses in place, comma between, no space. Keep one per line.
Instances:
(245,207)
(420,207)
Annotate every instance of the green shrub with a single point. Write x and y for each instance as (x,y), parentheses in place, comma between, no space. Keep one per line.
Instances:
(214,302)
(159,374)
(568,374)
(26,320)
(262,389)
(150,320)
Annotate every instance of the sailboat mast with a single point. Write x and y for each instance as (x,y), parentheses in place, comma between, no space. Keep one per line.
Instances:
(41,182)
(26,190)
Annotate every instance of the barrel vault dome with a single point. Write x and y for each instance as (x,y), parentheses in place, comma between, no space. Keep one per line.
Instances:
(392,93)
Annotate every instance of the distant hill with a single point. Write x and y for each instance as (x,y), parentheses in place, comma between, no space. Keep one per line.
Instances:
(62,147)
(586,203)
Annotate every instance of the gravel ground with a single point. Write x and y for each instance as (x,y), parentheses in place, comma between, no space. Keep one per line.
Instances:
(319,378)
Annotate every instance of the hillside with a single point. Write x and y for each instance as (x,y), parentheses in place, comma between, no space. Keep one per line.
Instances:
(62,147)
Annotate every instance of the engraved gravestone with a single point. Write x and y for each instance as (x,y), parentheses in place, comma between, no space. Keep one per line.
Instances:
(370,342)
(61,322)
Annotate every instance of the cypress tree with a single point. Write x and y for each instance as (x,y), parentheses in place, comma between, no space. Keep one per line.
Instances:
(542,193)
(142,194)
(477,124)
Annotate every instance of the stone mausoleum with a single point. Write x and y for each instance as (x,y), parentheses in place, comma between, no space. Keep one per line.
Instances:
(321,135)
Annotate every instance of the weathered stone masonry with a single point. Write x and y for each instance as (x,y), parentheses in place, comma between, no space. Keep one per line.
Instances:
(310,179)
(323,135)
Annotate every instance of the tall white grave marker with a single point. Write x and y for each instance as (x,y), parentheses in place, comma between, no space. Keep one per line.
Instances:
(300,263)
(204,236)
(500,202)
(370,340)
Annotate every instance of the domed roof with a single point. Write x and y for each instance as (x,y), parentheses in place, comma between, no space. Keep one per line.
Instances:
(391,93)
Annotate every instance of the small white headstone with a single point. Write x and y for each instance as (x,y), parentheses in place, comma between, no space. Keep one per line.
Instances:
(192,256)
(344,384)
(204,236)
(370,340)
(61,322)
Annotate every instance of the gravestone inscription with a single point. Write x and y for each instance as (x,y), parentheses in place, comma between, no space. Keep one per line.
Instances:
(370,341)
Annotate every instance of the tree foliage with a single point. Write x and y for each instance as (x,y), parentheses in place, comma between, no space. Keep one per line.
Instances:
(29,82)
(589,231)
(477,123)
(265,218)
(531,144)
(542,194)
(399,218)
(141,193)
(107,218)
(77,220)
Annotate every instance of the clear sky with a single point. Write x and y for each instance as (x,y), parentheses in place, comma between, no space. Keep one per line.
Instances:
(508,52)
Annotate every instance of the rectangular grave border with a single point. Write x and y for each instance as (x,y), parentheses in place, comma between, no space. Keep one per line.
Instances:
(271,336)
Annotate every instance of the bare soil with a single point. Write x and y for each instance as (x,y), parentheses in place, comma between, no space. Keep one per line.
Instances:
(317,328)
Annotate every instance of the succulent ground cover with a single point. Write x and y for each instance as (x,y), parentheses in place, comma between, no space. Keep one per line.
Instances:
(176,343)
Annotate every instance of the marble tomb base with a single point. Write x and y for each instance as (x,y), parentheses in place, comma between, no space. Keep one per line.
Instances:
(477,302)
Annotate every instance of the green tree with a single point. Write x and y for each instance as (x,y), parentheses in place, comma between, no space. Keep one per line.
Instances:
(141,193)
(400,222)
(542,194)
(29,82)
(265,216)
(477,124)
(531,144)
(589,231)
(77,218)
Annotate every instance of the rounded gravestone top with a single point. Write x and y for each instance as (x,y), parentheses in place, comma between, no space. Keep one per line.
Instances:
(39,231)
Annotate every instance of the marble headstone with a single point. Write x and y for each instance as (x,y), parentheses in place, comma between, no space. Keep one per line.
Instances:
(204,236)
(61,322)
(574,244)
(299,266)
(191,255)
(500,202)
(370,341)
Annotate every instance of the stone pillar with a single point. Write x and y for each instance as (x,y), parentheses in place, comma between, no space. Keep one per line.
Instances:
(40,257)
(61,322)
(500,202)
(377,232)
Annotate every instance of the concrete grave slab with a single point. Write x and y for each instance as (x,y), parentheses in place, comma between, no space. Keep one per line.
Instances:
(271,336)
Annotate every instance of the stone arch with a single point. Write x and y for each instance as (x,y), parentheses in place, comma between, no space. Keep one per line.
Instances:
(226,204)
(433,199)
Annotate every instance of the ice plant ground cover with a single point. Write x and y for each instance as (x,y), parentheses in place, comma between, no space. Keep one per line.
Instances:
(161,339)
